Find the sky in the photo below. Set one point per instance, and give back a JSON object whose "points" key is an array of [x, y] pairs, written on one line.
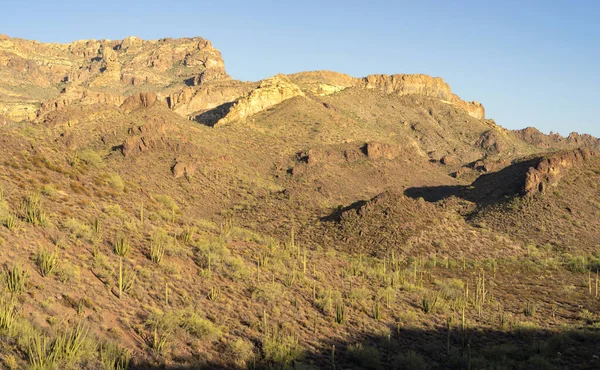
{"points": [[530, 63]]}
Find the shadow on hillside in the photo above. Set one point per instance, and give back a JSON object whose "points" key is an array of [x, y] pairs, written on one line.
{"points": [[211, 117], [487, 189], [526, 347], [337, 214]]}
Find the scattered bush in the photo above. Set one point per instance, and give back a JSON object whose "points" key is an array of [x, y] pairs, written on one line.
{"points": [[47, 262], [367, 357], [15, 279], [240, 351], [409, 361]]}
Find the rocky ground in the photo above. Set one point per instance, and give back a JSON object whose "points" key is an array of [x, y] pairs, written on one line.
{"points": [[155, 213]]}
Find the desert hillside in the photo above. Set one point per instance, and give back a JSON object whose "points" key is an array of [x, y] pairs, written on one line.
{"points": [[156, 213]]}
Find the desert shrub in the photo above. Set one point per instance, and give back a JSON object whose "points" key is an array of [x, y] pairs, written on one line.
{"points": [[409, 361], [200, 327], [367, 357], [158, 246], [15, 278], [576, 263], [537, 362], [68, 344], [49, 190], [430, 302], [161, 326], [10, 221], [47, 262], [240, 351], [90, 157], [530, 309], [451, 289], [525, 327], [236, 269], [407, 318], [116, 182], [359, 294], [280, 348], [78, 228], [113, 357], [32, 210], [167, 202], [8, 312]]}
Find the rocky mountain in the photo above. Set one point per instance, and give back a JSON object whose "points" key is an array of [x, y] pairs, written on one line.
{"points": [[156, 213]]}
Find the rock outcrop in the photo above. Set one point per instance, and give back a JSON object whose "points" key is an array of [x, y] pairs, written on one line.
{"points": [[271, 91], [418, 84], [376, 150], [550, 169], [535, 137], [33, 74], [326, 82], [141, 100]]}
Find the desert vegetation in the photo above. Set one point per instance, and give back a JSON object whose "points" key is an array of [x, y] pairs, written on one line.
{"points": [[358, 229]]}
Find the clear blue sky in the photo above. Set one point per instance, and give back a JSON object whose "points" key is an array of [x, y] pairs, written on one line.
{"points": [[531, 63]]}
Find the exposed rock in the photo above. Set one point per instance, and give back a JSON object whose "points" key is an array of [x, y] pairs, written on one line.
{"points": [[194, 101], [550, 169], [418, 84], [271, 91], [141, 100], [317, 156], [78, 95], [327, 82], [93, 65], [461, 172], [491, 141], [144, 138], [376, 150], [184, 168], [449, 160], [479, 165], [353, 155], [535, 137]]}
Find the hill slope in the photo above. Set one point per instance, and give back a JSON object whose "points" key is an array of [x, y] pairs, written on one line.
{"points": [[175, 218]]}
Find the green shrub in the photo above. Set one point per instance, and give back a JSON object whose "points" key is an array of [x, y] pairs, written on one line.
{"points": [[15, 279], [280, 348], [430, 302], [200, 327], [409, 361], [68, 344], [240, 351], [47, 262], [113, 357], [33, 211], [116, 182], [530, 309], [576, 263], [11, 221], [157, 250], [8, 312], [91, 158], [367, 357]]}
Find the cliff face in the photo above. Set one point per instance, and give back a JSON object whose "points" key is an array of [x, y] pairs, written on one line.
{"points": [[433, 87], [550, 169], [533, 136], [34, 74], [326, 82], [271, 91]]}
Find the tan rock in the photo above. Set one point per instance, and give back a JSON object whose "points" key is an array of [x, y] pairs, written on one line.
{"points": [[271, 91], [550, 169], [376, 150]]}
